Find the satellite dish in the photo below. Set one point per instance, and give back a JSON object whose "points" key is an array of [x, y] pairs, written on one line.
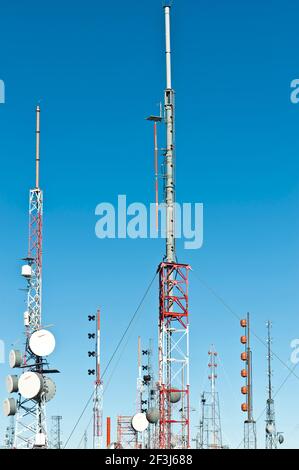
{"points": [[152, 415], [9, 407], [139, 422], [12, 383], [30, 385], [175, 397], [42, 343], [280, 439], [15, 358], [49, 388]]}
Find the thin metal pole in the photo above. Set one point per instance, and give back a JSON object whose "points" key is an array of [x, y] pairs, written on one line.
{"points": [[37, 157], [169, 156]]}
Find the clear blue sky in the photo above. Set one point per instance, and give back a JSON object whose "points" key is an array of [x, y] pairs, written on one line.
{"points": [[97, 69]]}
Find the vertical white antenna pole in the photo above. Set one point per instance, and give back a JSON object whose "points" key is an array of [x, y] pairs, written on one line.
{"points": [[168, 47], [169, 156], [37, 158]]}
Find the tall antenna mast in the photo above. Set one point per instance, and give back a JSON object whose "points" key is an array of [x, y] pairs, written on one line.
{"points": [[174, 405], [139, 379], [34, 386], [216, 434], [37, 156], [246, 356], [273, 438], [169, 155], [98, 385]]}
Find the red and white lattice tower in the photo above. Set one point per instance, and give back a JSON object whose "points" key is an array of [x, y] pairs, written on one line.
{"points": [[31, 429], [127, 437], [174, 421]]}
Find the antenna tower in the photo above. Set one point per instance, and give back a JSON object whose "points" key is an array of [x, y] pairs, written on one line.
{"points": [[174, 407], [210, 434], [273, 438], [56, 432], [98, 385], [34, 386], [246, 373]]}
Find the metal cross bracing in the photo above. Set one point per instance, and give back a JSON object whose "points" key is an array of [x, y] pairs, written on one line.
{"points": [[127, 437], [174, 430], [34, 299], [9, 434], [214, 427]]}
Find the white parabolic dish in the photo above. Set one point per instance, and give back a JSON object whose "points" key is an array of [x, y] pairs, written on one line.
{"points": [[49, 388], [30, 384], [139, 422], [42, 343]]}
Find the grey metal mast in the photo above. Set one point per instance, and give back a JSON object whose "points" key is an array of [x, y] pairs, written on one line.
{"points": [[174, 403], [272, 436], [169, 153], [250, 441]]}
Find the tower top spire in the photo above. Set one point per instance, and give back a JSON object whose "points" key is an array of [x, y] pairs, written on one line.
{"points": [[37, 153]]}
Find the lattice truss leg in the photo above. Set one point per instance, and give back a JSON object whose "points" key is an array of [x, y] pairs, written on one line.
{"points": [[30, 420], [31, 416], [250, 435], [174, 425], [127, 437]]}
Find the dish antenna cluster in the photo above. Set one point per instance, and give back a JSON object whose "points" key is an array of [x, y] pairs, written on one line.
{"points": [[33, 386]]}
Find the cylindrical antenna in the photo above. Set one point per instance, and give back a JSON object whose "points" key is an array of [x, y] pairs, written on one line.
{"points": [[37, 155], [168, 47], [169, 154]]}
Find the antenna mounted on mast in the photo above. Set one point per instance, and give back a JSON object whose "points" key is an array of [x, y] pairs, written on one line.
{"points": [[37, 155]]}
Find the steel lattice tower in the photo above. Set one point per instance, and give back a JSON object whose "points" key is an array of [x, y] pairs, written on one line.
{"points": [[215, 434], [249, 423], [271, 433], [56, 432], [31, 428], [210, 434]]}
